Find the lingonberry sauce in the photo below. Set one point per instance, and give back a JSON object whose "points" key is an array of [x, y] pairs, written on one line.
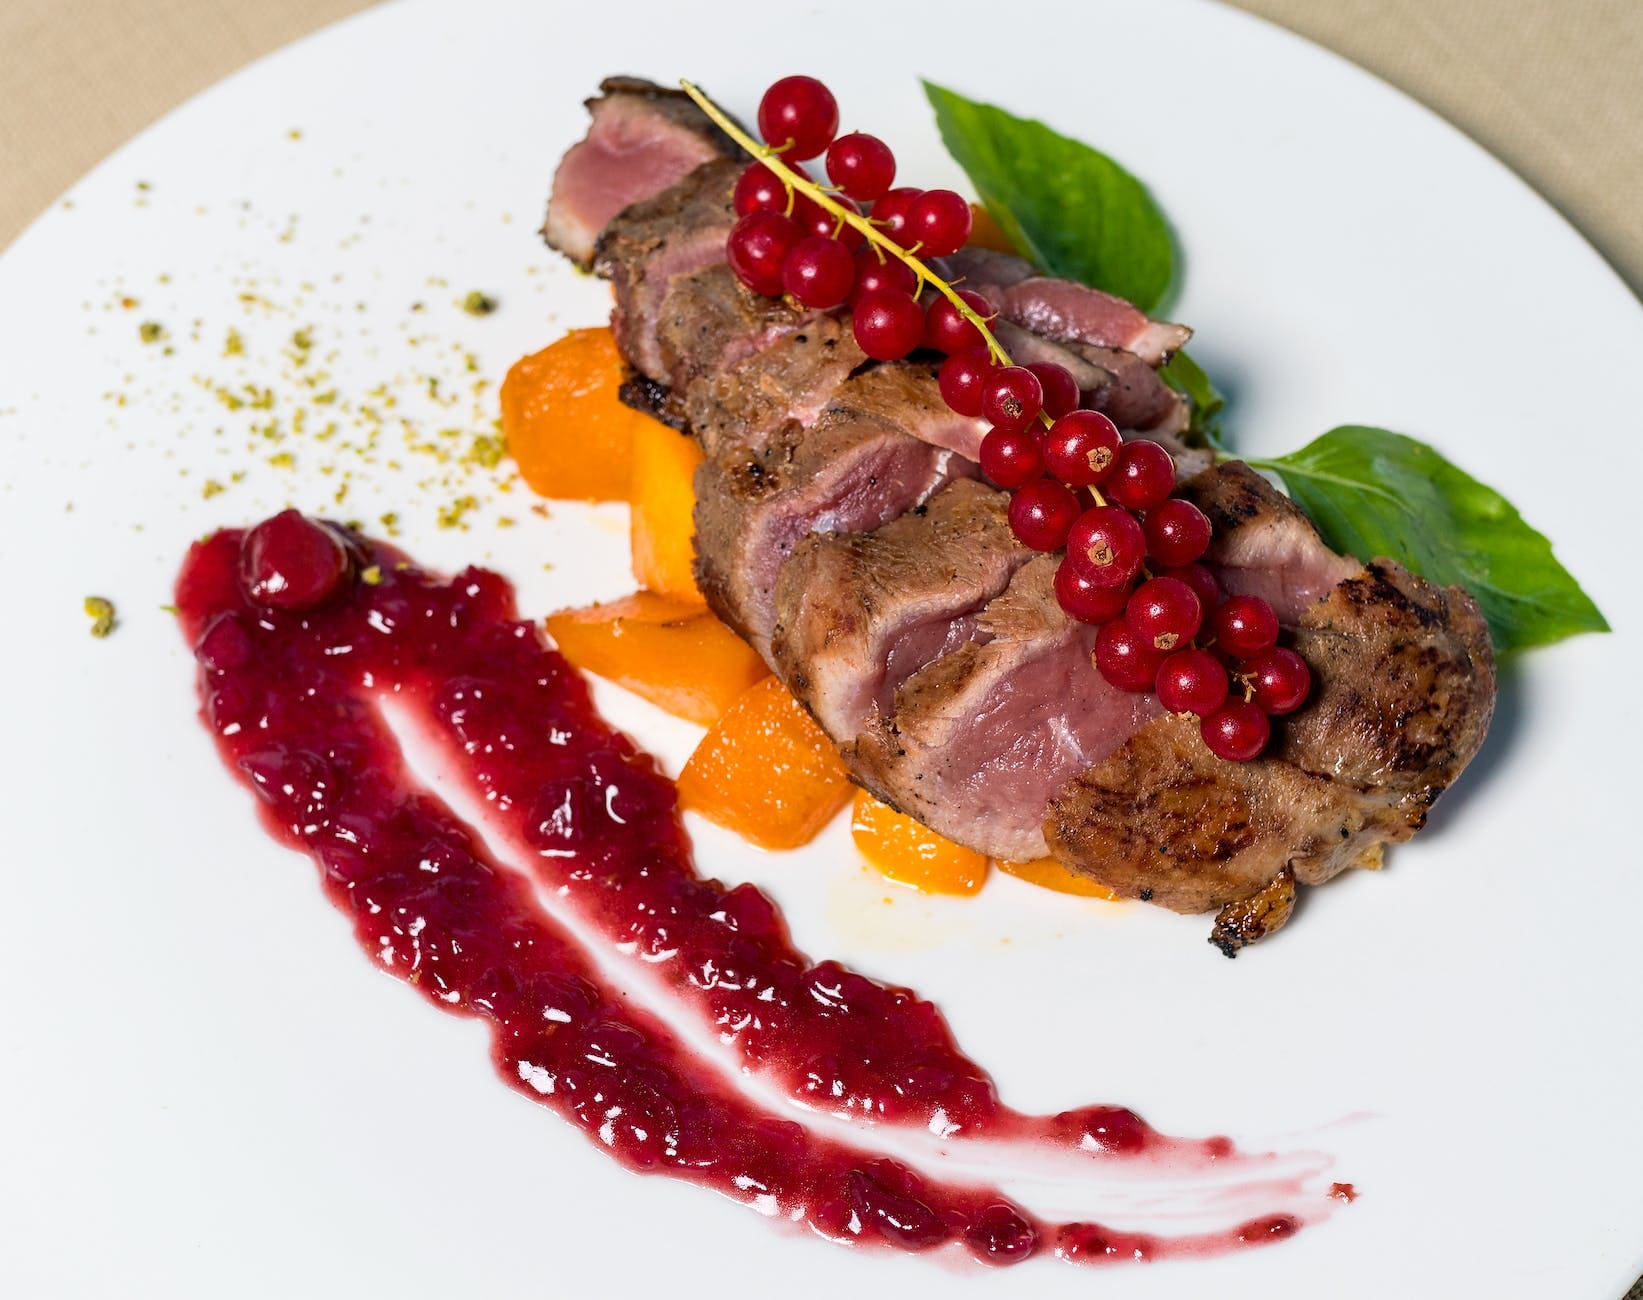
{"points": [[667, 1015]]}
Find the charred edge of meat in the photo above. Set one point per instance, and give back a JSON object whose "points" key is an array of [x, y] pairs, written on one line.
{"points": [[641, 393], [1249, 920]]}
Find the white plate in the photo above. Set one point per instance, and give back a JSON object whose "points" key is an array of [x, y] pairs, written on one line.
{"points": [[209, 1091]]}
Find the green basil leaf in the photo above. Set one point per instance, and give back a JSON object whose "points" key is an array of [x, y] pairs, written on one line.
{"points": [[1187, 377], [1069, 208], [1372, 492]]}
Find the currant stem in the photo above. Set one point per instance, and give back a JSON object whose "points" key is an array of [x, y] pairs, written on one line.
{"points": [[797, 181]]}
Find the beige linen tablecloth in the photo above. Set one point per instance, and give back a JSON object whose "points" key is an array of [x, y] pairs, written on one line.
{"points": [[1553, 87]]}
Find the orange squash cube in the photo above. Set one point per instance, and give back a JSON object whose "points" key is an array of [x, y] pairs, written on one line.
{"points": [[565, 426], [766, 771], [904, 849], [673, 653], [663, 496], [1047, 873]]}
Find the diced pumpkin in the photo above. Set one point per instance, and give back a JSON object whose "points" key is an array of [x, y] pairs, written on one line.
{"points": [[904, 849], [1050, 874], [673, 653], [766, 771], [565, 426], [987, 233], [664, 498]]}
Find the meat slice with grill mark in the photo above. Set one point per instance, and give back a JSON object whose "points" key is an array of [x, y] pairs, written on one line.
{"points": [[677, 232], [850, 472], [642, 140], [860, 614], [1405, 688], [980, 739]]}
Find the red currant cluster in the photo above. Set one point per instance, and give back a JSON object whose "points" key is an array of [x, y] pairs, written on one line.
{"points": [[1133, 551], [786, 242]]}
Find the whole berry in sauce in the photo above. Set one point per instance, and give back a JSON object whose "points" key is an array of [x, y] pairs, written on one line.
{"points": [[292, 563]]}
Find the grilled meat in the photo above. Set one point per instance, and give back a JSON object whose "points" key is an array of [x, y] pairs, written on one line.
{"points": [[841, 529]]}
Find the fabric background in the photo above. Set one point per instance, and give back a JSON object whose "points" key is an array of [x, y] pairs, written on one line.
{"points": [[1552, 87]]}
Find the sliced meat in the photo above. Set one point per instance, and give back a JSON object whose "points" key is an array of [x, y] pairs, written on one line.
{"points": [[643, 139], [849, 473], [862, 613], [1262, 544], [910, 394], [980, 739], [677, 232], [751, 371], [1063, 311], [1405, 690]]}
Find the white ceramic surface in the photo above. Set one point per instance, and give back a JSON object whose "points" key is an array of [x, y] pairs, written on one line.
{"points": [[207, 1091]]}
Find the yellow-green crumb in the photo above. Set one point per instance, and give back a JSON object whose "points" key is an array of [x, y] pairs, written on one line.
{"points": [[478, 304], [101, 611]]}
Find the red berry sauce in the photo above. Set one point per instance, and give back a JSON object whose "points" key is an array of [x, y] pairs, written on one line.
{"points": [[567, 912]]}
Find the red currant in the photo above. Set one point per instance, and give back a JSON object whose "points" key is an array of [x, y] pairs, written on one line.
{"points": [[1280, 680], [799, 117], [1011, 457], [861, 165], [1011, 397], [962, 377], [1124, 658], [888, 324], [1081, 447], [939, 223], [1060, 388], [1202, 582], [1165, 613], [876, 272], [890, 213], [1192, 681], [1245, 626], [1237, 731], [1041, 513], [757, 248], [1142, 477], [819, 272], [1107, 545], [946, 329], [1177, 532], [814, 219], [1084, 600], [758, 189]]}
